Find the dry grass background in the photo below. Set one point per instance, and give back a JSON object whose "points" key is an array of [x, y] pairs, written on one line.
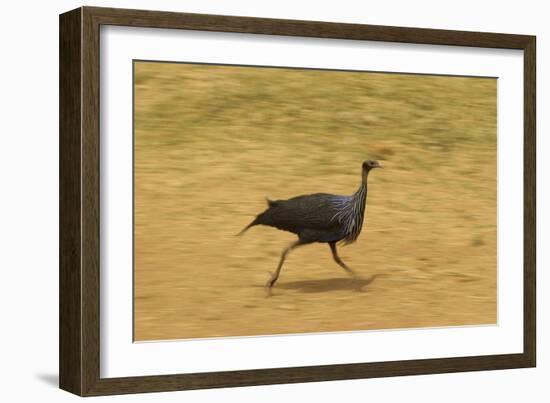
{"points": [[211, 142]]}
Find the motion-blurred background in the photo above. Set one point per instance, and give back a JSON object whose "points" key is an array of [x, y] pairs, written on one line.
{"points": [[211, 142]]}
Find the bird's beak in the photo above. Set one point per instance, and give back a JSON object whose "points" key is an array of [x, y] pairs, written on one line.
{"points": [[379, 166]]}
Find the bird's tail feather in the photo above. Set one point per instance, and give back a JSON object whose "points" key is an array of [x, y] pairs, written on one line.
{"points": [[260, 218], [255, 222]]}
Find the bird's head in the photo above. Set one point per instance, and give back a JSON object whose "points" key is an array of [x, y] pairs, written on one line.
{"points": [[367, 166], [370, 164]]}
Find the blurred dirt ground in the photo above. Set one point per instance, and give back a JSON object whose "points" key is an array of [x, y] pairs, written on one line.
{"points": [[211, 142]]}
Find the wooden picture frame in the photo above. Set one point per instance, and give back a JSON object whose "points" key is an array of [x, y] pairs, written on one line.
{"points": [[79, 348]]}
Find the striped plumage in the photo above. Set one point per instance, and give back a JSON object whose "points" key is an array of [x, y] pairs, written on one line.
{"points": [[351, 213], [319, 217]]}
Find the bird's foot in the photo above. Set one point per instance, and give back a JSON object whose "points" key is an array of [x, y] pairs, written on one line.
{"points": [[269, 284], [271, 281]]}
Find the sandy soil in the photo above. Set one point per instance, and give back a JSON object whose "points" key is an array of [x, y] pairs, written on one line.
{"points": [[427, 253]]}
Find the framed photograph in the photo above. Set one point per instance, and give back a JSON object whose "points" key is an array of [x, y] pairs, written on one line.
{"points": [[248, 201]]}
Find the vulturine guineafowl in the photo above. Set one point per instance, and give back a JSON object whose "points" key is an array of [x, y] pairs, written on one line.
{"points": [[319, 217]]}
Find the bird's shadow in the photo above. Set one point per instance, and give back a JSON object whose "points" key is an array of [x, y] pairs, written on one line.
{"points": [[329, 284]]}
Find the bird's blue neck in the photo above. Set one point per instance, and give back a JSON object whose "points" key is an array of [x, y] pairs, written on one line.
{"points": [[361, 193], [353, 213]]}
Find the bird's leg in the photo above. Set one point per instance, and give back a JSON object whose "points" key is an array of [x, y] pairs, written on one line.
{"points": [[338, 260], [275, 275]]}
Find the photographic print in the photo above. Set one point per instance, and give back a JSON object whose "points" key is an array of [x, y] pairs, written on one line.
{"points": [[253, 201], [273, 200]]}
